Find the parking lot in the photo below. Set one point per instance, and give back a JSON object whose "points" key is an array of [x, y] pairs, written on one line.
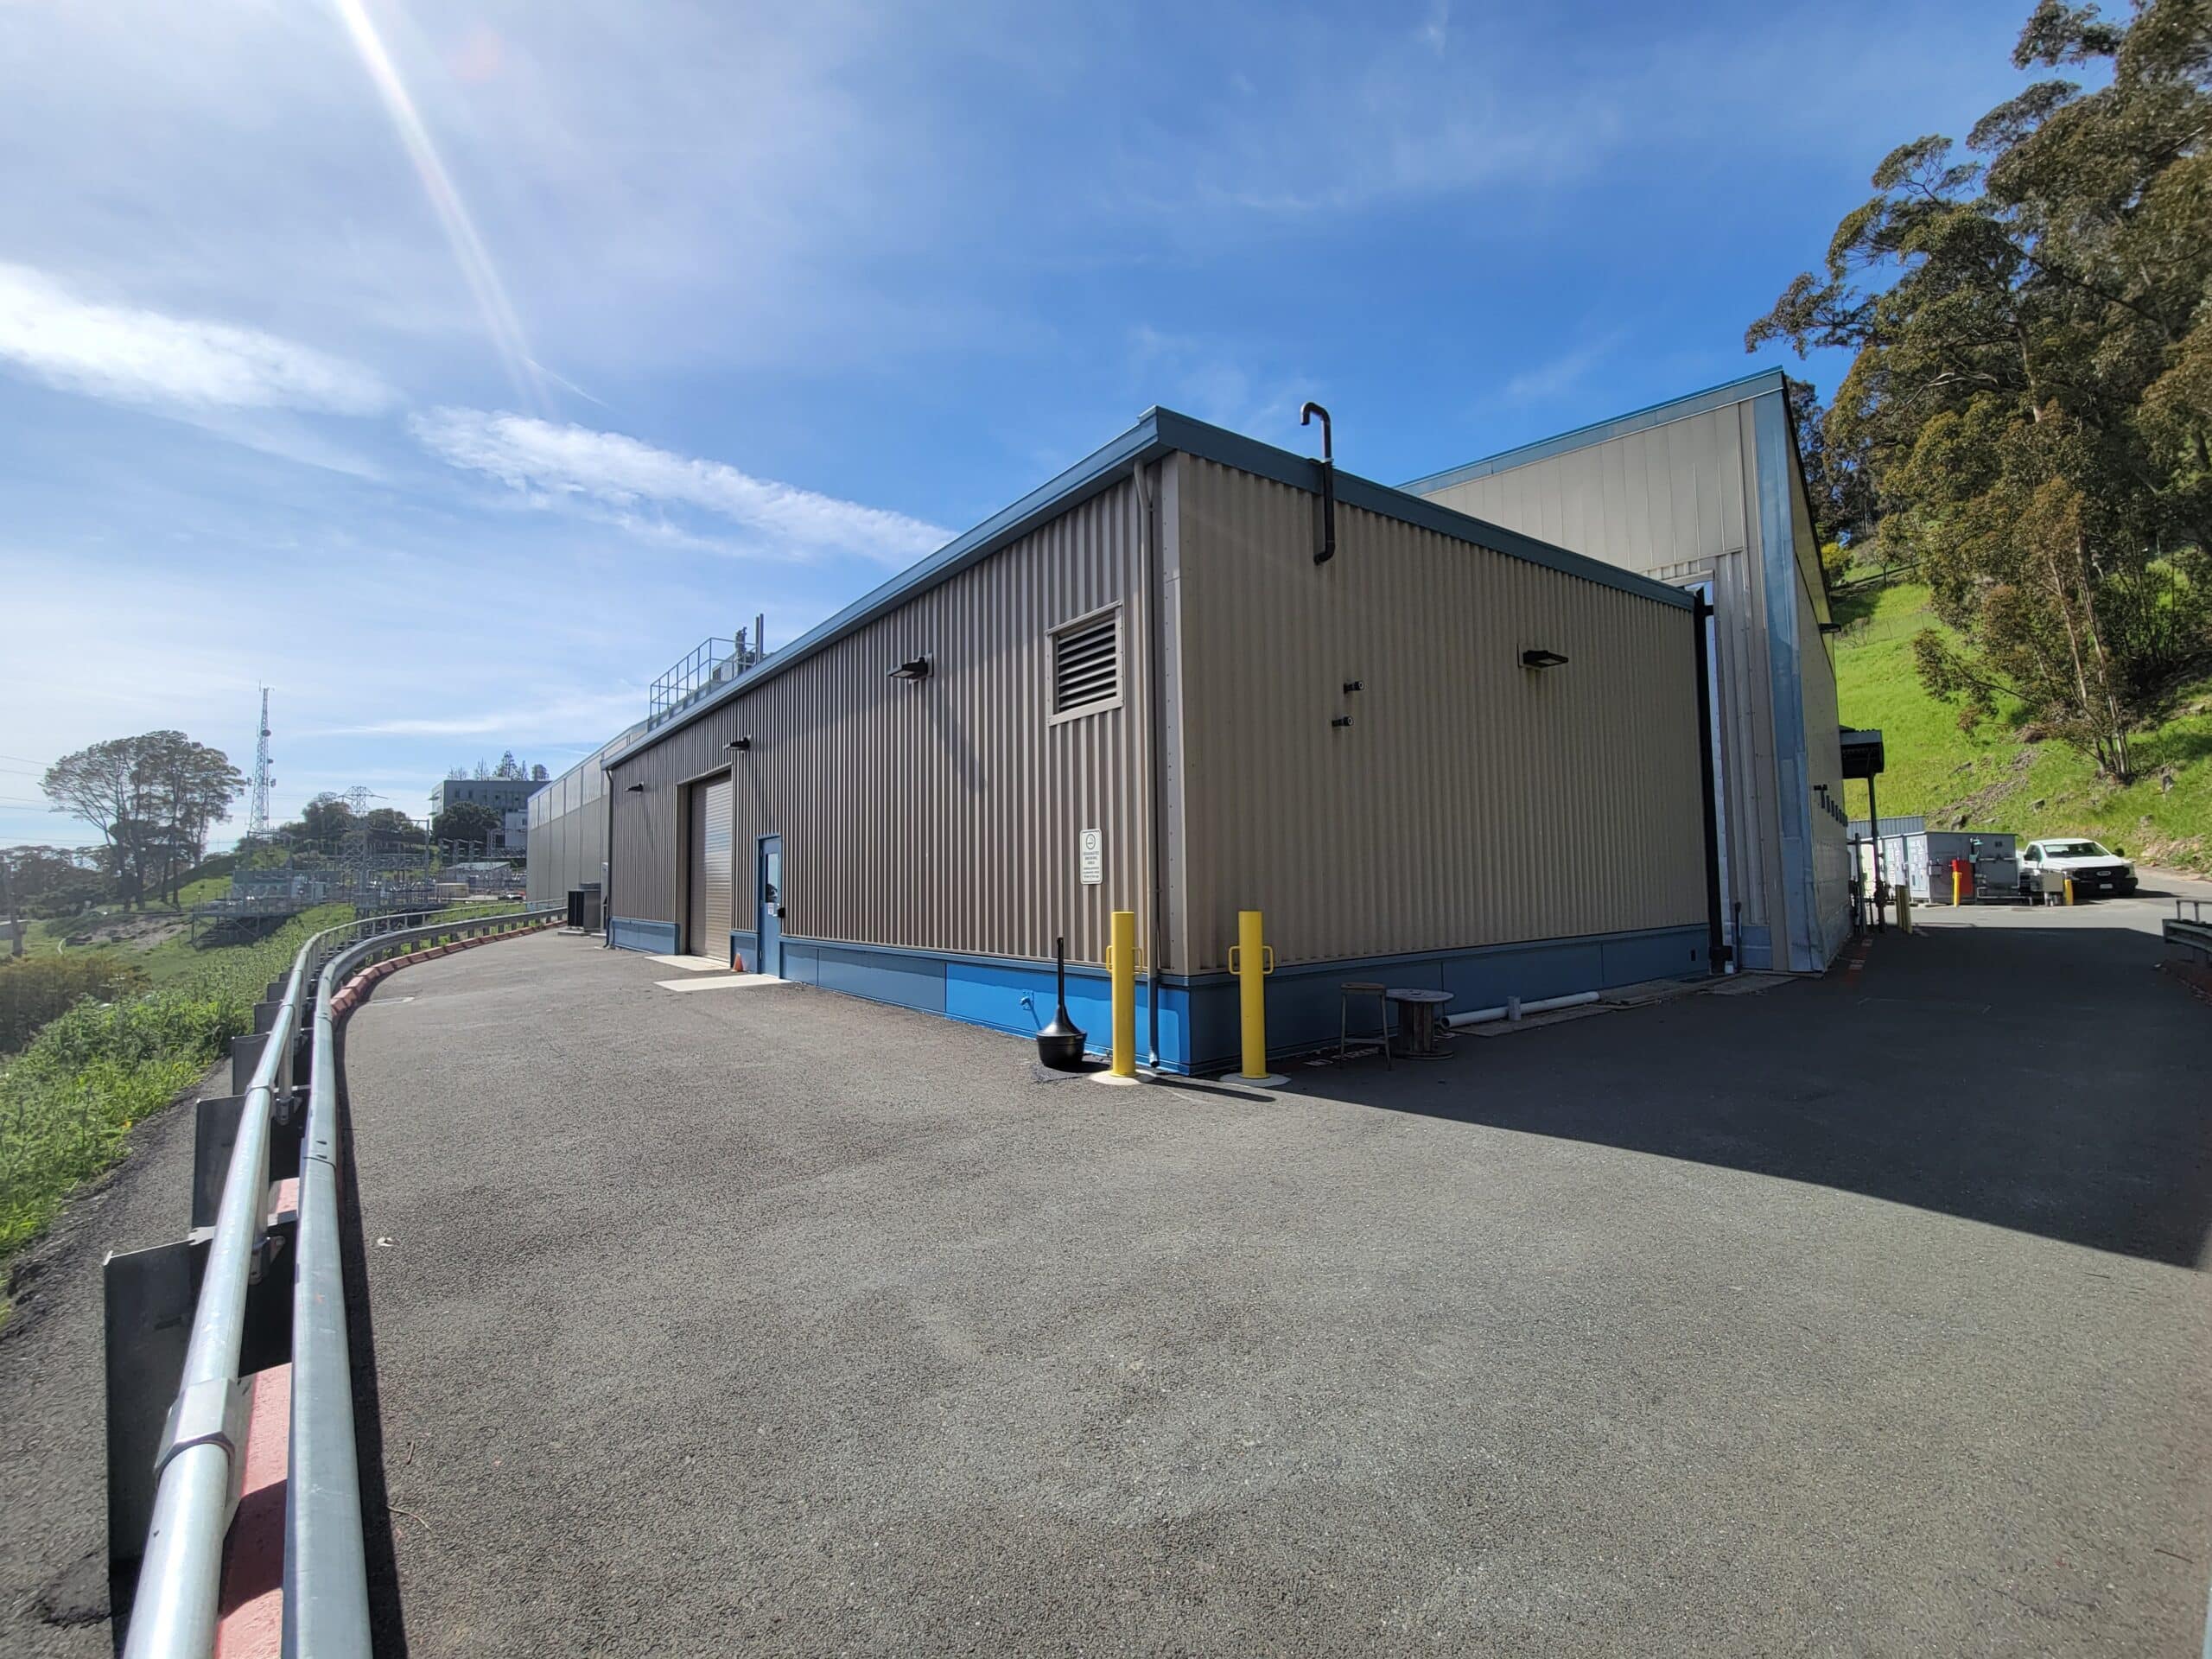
{"points": [[1861, 1315]]}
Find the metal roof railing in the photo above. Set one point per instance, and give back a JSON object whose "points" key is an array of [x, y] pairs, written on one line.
{"points": [[174, 1603]]}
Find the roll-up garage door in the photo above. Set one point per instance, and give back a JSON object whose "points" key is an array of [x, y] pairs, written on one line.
{"points": [[711, 872]]}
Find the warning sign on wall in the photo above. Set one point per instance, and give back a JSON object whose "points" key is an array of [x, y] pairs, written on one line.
{"points": [[1094, 857]]}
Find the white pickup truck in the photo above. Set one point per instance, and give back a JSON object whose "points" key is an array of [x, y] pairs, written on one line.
{"points": [[2091, 868]]}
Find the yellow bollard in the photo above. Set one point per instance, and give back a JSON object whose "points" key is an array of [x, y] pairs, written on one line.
{"points": [[1904, 910], [1955, 889], [2069, 889], [1251, 959], [1122, 972]]}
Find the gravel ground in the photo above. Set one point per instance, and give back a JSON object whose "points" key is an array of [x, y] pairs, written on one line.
{"points": [[1862, 1316]]}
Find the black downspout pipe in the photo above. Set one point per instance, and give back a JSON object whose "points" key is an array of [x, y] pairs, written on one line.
{"points": [[606, 874], [1328, 466], [1716, 949]]}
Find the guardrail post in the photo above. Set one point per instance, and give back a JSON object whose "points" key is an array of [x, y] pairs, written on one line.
{"points": [[245, 1055], [149, 1298], [215, 1131]]}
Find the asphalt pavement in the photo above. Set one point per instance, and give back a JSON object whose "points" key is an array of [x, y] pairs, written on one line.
{"points": [[1857, 1316]]}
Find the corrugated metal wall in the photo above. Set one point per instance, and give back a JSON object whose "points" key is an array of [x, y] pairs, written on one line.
{"points": [[1472, 801], [566, 822], [941, 814], [568, 833], [1677, 502]]}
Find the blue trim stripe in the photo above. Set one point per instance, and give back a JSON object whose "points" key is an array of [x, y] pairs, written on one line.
{"points": [[1159, 432], [631, 933], [1199, 1027], [1641, 420]]}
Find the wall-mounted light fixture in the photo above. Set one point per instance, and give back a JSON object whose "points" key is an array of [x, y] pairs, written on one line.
{"points": [[745, 743], [635, 789], [1543, 660], [914, 668]]}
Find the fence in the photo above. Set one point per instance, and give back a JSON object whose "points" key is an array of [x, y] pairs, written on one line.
{"points": [[189, 1324]]}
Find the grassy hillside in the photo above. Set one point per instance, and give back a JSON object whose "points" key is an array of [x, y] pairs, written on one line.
{"points": [[157, 940], [1992, 780]]}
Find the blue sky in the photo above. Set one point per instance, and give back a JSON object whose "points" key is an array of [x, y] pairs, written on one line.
{"points": [[454, 369]]}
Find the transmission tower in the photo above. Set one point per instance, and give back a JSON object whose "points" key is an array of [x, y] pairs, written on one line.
{"points": [[256, 824]]}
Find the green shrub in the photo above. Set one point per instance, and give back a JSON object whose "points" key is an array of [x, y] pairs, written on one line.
{"points": [[93, 1071], [35, 989]]}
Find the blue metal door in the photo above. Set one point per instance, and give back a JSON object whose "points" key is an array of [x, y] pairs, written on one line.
{"points": [[772, 906]]}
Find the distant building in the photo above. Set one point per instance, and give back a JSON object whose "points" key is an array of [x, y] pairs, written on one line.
{"points": [[508, 797]]}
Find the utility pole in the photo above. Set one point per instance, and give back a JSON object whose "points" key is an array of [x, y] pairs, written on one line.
{"points": [[7, 905]]}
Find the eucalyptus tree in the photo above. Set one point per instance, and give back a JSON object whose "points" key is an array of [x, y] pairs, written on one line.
{"points": [[2029, 399]]}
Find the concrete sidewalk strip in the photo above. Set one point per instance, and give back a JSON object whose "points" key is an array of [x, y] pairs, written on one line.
{"points": [[726, 981], [692, 964]]}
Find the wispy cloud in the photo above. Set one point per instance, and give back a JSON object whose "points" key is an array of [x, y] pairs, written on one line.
{"points": [[129, 355], [1436, 29], [566, 462], [1558, 375], [560, 714]]}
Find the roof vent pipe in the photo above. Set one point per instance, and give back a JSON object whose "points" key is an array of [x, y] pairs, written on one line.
{"points": [[1328, 465]]}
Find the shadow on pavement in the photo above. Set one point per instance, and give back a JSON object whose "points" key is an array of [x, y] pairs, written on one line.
{"points": [[2043, 1079]]}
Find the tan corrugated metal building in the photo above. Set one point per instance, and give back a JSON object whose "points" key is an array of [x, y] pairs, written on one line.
{"points": [[1706, 490], [1138, 688]]}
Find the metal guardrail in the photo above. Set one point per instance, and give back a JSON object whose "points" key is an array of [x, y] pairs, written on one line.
{"points": [[2192, 933], [197, 1466]]}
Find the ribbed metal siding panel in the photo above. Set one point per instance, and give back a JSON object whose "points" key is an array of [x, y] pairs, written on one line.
{"points": [[937, 815], [568, 832], [1675, 502], [1472, 801], [1643, 501]]}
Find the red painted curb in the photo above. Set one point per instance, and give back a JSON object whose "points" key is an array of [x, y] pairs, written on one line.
{"points": [[250, 1620]]}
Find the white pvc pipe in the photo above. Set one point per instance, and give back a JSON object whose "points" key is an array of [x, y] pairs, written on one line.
{"points": [[1542, 1005]]}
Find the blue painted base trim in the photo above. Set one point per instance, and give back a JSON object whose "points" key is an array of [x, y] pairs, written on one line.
{"points": [[1304, 1001], [744, 950], [630, 934], [1198, 1018]]}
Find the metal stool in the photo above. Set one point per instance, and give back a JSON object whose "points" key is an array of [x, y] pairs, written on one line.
{"points": [[1345, 992]]}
